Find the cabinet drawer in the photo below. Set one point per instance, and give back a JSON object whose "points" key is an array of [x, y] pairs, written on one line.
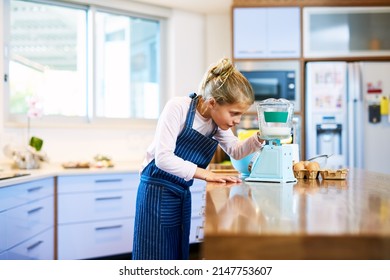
{"points": [[19, 194], [3, 242], [94, 206], [98, 239], [40, 247], [197, 230], [101, 182], [28, 220]]}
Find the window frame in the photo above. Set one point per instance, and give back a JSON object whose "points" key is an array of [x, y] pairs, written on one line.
{"points": [[91, 119]]}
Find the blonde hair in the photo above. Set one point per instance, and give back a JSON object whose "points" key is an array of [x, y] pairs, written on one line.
{"points": [[226, 84]]}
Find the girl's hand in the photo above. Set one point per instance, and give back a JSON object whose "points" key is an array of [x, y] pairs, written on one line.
{"points": [[209, 176], [221, 178]]}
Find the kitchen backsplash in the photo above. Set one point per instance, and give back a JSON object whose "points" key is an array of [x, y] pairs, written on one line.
{"points": [[62, 145]]}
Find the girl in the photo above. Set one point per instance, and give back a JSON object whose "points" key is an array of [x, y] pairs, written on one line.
{"points": [[187, 135]]}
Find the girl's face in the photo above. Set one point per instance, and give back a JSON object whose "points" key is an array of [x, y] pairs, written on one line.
{"points": [[228, 115]]}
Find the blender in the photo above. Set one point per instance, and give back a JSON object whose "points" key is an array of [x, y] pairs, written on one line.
{"points": [[274, 162]]}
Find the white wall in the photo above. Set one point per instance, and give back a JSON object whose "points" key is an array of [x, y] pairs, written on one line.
{"points": [[195, 41]]}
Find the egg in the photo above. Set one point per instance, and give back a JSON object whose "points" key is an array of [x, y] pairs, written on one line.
{"points": [[298, 166], [313, 166]]}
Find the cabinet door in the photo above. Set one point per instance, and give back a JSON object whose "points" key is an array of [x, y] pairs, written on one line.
{"points": [[266, 32], [346, 31], [198, 191], [283, 32], [249, 32]]}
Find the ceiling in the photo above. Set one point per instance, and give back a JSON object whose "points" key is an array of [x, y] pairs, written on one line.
{"points": [[199, 6]]}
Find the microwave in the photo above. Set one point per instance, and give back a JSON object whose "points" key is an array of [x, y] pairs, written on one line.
{"points": [[272, 83]]}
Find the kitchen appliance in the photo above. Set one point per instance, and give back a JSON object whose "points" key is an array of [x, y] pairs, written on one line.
{"points": [[273, 79], [272, 84], [274, 162], [346, 115]]}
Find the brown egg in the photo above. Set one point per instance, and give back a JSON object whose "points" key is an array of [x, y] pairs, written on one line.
{"points": [[313, 166], [298, 166]]}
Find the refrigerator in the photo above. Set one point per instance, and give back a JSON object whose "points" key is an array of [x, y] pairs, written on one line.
{"points": [[347, 114]]}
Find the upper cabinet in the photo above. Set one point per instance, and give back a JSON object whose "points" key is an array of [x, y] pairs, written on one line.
{"points": [[346, 31], [266, 32]]}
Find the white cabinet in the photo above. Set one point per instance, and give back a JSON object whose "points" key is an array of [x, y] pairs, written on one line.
{"points": [[96, 215], [346, 31], [39, 247], [27, 220], [198, 190], [266, 32]]}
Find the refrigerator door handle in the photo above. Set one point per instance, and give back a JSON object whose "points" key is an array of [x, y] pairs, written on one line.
{"points": [[350, 117], [355, 113], [358, 116]]}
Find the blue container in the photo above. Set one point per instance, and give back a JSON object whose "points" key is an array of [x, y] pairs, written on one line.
{"points": [[241, 165]]}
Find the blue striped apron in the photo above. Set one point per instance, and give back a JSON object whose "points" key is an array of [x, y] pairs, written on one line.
{"points": [[163, 207]]}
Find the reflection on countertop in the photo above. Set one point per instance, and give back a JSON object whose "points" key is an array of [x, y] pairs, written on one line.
{"points": [[353, 212]]}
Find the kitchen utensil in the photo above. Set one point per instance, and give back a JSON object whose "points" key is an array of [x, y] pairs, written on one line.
{"points": [[321, 159], [242, 165], [274, 162]]}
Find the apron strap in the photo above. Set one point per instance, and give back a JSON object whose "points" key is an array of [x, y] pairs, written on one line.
{"points": [[191, 112]]}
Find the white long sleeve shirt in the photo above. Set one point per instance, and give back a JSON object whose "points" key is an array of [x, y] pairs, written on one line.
{"points": [[171, 123]]}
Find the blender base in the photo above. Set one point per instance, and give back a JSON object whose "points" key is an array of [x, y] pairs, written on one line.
{"points": [[274, 164], [269, 180]]}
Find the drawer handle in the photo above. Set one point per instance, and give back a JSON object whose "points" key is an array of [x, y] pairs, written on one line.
{"points": [[33, 246], [108, 181], [32, 211], [108, 198], [202, 211], [108, 227], [34, 189]]}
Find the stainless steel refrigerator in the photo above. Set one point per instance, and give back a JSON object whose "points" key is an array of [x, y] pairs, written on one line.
{"points": [[347, 113]]}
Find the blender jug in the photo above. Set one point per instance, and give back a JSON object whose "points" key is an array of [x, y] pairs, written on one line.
{"points": [[275, 118]]}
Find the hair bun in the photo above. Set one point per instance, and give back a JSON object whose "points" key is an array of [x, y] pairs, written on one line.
{"points": [[222, 67]]}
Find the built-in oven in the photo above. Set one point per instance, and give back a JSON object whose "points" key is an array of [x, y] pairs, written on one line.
{"points": [[273, 79], [272, 84]]}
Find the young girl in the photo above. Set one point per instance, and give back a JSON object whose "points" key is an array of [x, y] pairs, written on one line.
{"points": [[187, 135]]}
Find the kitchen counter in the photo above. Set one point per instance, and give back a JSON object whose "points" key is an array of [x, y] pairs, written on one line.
{"points": [[310, 219], [54, 169]]}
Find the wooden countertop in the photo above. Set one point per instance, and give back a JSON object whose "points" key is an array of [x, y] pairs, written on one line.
{"points": [[310, 219]]}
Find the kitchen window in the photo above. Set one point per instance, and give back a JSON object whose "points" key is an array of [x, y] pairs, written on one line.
{"points": [[82, 63]]}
